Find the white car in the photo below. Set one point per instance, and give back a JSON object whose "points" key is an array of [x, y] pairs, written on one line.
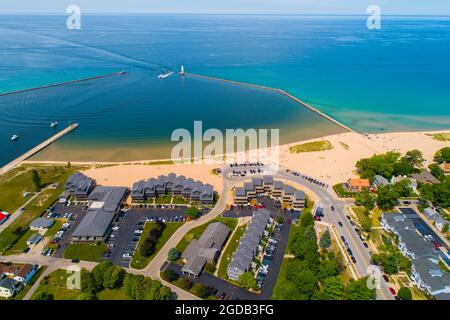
{"points": [[115, 228], [138, 231], [126, 255]]}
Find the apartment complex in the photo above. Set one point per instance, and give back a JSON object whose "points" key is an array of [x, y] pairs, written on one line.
{"points": [[249, 244], [206, 249], [277, 190], [189, 189], [104, 204], [79, 186], [425, 270]]}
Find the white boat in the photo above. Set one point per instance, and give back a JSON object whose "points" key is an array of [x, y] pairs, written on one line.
{"points": [[53, 124], [14, 137], [165, 75]]}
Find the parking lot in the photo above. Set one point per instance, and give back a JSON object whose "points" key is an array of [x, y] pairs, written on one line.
{"points": [[128, 226], [422, 226], [74, 214]]}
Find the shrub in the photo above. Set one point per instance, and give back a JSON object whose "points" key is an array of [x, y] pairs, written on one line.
{"points": [[404, 293], [173, 255], [169, 275]]}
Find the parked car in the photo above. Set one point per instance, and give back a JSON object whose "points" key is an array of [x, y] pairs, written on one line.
{"points": [[353, 259], [332, 208], [26, 249], [392, 291], [75, 260], [386, 278], [365, 244], [340, 224]]}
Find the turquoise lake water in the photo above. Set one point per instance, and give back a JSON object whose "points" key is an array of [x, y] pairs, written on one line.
{"points": [[396, 78]]}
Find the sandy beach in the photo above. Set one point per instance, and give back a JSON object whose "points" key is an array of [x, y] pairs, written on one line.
{"points": [[332, 166]]}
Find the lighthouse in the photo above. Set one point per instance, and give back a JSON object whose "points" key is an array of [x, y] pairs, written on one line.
{"points": [[182, 70]]}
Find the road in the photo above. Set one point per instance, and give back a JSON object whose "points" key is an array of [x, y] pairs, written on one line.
{"points": [[328, 198], [154, 267], [18, 212], [325, 196]]}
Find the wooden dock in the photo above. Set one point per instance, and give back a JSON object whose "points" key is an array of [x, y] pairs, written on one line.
{"points": [[38, 148], [274, 90]]}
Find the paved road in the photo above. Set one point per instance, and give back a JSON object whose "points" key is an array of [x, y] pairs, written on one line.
{"points": [[328, 198], [154, 267], [18, 212]]}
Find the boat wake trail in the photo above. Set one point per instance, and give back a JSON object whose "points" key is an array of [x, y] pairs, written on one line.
{"points": [[115, 56]]}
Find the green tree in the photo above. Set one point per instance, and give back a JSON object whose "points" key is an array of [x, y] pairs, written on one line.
{"points": [[185, 284], [169, 275], [366, 199], [193, 212], [402, 188], [325, 239], [173, 254], [200, 290], [247, 280], [36, 178], [445, 228], [358, 290], [333, 288], [404, 293], [414, 158], [436, 171], [44, 296], [387, 197], [366, 223], [442, 155], [328, 268]]}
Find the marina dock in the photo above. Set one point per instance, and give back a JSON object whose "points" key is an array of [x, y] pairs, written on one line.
{"points": [[274, 90], [38, 148]]}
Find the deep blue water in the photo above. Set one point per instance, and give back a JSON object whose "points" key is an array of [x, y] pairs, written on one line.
{"points": [[397, 78]]}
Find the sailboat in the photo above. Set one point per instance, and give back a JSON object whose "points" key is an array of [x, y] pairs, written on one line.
{"points": [[53, 124], [14, 137]]}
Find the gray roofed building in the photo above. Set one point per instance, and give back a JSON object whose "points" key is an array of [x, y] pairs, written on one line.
{"points": [[177, 185], [268, 180], [41, 223], [380, 181], [205, 249], [242, 258], [9, 287], [425, 270], [34, 239], [79, 185], [105, 203], [425, 177]]}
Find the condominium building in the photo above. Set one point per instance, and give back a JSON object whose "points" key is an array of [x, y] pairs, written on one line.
{"points": [[189, 189], [286, 194]]}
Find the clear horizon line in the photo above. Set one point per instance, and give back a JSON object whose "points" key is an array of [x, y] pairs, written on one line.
{"points": [[220, 13]]}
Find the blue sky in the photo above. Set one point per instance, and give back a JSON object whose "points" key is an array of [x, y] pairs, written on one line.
{"points": [[402, 7]]}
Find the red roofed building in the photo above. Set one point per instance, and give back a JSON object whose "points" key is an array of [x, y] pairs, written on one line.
{"points": [[3, 216], [357, 185]]}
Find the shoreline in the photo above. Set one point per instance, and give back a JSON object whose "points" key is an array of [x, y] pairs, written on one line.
{"points": [[283, 146]]}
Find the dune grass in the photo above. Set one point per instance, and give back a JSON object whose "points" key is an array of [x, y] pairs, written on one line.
{"points": [[313, 146]]}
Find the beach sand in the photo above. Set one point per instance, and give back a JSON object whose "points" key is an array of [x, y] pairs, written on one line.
{"points": [[331, 166]]}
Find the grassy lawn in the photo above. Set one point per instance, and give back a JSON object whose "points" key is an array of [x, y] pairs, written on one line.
{"points": [[179, 200], [311, 147], [164, 199], [197, 232], [37, 207], [341, 192], [440, 136], [87, 252], [54, 228], [230, 249], [140, 262], [112, 294], [20, 244], [277, 293], [17, 181], [375, 214], [56, 284]]}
